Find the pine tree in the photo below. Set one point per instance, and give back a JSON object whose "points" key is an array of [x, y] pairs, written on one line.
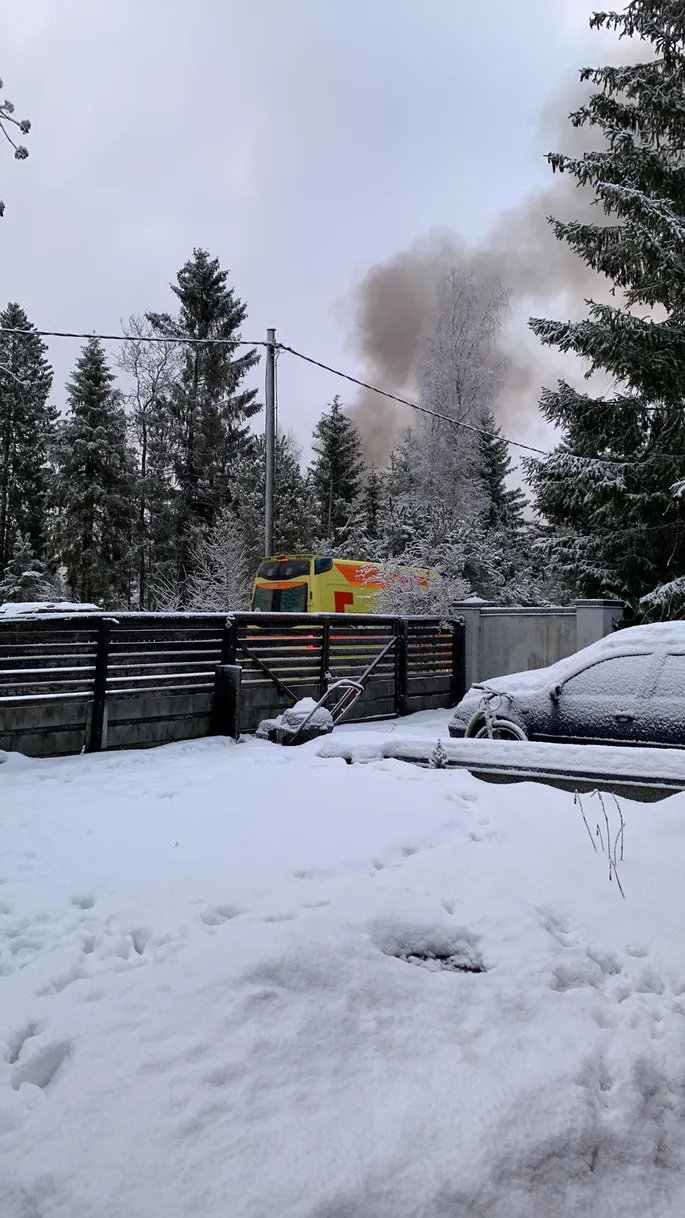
{"points": [[608, 486], [25, 578], [209, 410], [94, 485], [337, 473], [26, 431], [295, 509], [504, 505]]}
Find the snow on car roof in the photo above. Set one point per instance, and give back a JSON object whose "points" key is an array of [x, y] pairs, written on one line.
{"points": [[655, 637]]}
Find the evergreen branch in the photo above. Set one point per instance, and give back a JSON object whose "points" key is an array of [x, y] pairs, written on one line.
{"points": [[5, 371]]}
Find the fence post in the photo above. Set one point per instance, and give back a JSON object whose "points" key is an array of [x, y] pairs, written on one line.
{"points": [[401, 665], [325, 656], [229, 641], [226, 703], [97, 722], [458, 680]]}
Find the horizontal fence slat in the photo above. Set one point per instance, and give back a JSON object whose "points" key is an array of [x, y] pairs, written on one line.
{"points": [[28, 689], [144, 691], [163, 647], [13, 700]]}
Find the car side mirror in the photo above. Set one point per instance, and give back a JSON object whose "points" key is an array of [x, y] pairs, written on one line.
{"points": [[555, 693]]}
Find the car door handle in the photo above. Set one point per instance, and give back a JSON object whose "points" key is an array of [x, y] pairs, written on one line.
{"points": [[624, 718]]}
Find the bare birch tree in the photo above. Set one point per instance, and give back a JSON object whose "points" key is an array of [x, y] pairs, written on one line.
{"points": [[153, 368], [221, 574], [7, 123], [460, 375]]}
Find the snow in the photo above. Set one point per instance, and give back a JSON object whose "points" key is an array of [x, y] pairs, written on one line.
{"points": [[627, 761], [239, 980], [24, 608], [294, 718]]}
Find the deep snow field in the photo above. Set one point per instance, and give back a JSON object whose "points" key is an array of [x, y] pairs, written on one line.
{"points": [[207, 1010]]}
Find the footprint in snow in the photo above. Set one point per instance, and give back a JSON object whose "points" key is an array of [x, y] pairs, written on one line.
{"points": [[312, 873], [220, 914], [41, 1069], [18, 1039], [85, 901]]}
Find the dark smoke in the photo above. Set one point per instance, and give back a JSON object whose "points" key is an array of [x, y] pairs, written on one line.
{"points": [[395, 303]]}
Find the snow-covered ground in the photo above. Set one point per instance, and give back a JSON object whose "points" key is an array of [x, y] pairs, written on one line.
{"points": [[206, 1006]]}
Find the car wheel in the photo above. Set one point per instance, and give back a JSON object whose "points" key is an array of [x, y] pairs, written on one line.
{"points": [[502, 729]]}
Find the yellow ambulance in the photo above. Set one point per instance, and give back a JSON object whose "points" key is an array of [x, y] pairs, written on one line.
{"points": [[312, 583]]}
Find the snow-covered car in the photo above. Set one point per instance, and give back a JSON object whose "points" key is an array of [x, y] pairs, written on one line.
{"points": [[628, 688]]}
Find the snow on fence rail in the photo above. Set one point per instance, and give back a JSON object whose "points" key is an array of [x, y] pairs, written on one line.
{"points": [[92, 681]]}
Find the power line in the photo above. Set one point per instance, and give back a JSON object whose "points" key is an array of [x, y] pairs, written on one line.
{"points": [[229, 342], [140, 338], [479, 431], [346, 376]]}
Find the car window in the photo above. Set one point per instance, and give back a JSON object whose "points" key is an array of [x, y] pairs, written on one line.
{"points": [[620, 676], [671, 679]]}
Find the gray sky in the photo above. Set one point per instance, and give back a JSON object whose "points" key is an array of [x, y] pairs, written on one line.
{"points": [[301, 141]]}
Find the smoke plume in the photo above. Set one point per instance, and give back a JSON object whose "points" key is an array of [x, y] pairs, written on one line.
{"points": [[395, 303]]}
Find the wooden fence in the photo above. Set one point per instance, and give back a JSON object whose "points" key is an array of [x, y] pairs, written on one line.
{"points": [[86, 682]]}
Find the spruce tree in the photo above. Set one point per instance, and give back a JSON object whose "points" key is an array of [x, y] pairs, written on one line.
{"points": [[209, 410], [295, 510], [337, 472], [372, 503], [25, 578], [94, 485], [26, 430], [608, 486], [503, 504]]}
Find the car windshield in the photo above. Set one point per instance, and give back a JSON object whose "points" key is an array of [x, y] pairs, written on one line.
{"points": [[283, 568]]}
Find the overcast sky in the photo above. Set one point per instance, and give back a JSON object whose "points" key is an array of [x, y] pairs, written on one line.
{"points": [[301, 141]]}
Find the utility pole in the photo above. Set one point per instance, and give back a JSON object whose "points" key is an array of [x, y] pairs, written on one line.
{"points": [[270, 442]]}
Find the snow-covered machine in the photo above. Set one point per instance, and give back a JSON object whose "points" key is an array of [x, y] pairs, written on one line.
{"points": [[308, 719]]}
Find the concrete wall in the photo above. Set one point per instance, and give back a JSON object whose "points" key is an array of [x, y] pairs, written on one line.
{"points": [[504, 640]]}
